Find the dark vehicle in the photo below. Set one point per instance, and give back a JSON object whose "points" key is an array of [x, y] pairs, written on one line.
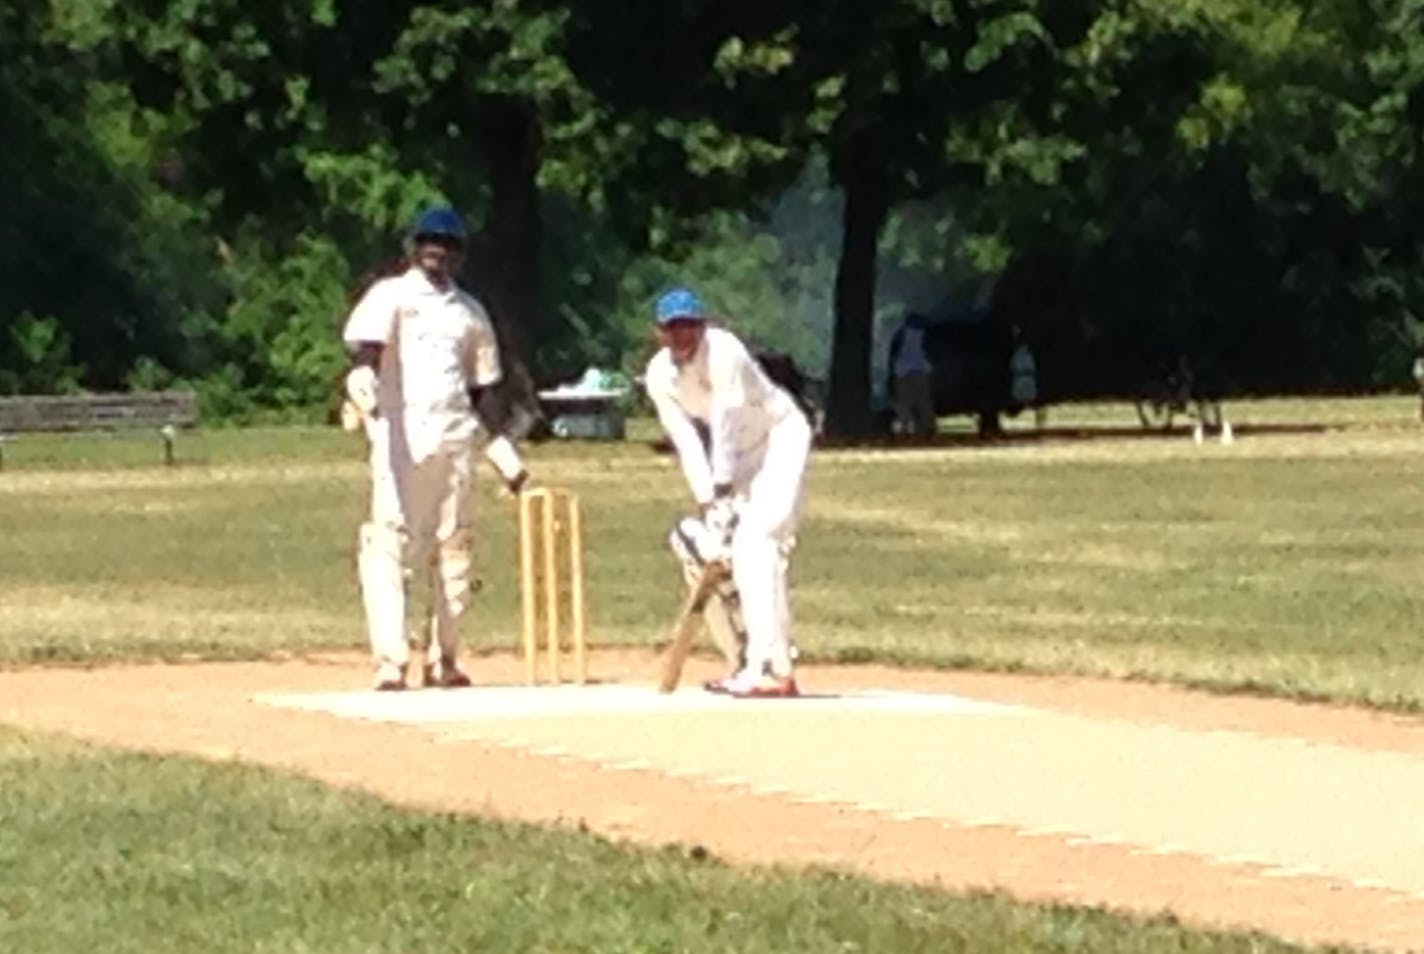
{"points": [[1180, 390], [971, 360]]}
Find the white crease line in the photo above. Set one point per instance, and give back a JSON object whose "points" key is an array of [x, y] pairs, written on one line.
{"points": [[1167, 850], [1111, 841], [1300, 871], [550, 751], [820, 800], [629, 765], [1253, 861], [1048, 831], [911, 816], [734, 781]]}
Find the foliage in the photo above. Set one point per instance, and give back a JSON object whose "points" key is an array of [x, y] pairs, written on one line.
{"points": [[37, 357], [192, 185]]}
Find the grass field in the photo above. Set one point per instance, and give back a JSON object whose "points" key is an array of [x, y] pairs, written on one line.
{"points": [[1284, 564], [129, 854]]}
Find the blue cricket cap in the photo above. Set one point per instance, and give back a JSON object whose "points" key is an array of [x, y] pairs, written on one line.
{"points": [[680, 303]]}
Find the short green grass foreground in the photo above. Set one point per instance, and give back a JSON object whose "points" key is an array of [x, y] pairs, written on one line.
{"points": [[1286, 563], [130, 854]]}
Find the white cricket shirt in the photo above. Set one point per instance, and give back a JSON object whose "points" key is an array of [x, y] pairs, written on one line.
{"points": [[437, 344], [724, 389]]}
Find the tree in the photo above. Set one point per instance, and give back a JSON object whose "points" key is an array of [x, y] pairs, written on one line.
{"points": [[90, 251]]}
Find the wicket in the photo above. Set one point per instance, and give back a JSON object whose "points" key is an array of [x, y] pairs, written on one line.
{"points": [[543, 513]]}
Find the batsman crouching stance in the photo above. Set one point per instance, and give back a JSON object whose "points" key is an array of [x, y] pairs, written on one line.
{"points": [[425, 363], [747, 477]]}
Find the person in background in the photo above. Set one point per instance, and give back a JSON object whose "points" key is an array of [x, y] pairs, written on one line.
{"points": [[1023, 377], [1418, 372], [912, 378]]}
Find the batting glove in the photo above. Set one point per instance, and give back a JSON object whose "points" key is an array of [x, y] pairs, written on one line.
{"points": [[361, 389], [351, 417], [502, 454], [720, 521]]}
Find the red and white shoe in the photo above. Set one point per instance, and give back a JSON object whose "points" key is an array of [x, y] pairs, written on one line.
{"points": [[723, 685], [763, 687]]}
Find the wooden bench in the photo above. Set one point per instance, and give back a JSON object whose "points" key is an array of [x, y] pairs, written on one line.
{"points": [[163, 411]]}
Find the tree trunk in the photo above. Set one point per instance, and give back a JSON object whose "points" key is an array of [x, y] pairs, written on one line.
{"points": [[862, 175], [505, 249]]}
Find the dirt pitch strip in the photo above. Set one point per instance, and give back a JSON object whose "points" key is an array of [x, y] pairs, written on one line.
{"points": [[1301, 821]]}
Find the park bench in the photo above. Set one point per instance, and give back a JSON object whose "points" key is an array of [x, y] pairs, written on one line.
{"points": [[162, 411]]}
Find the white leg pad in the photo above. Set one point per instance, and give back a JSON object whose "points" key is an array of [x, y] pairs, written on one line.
{"points": [[759, 570], [451, 591], [383, 591]]}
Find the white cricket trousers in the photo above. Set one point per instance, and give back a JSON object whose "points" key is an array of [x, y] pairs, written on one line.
{"points": [[419, 531], [771, 484]]}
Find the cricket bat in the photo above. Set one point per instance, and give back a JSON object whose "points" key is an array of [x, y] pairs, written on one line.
{"points": [[684, 631]]}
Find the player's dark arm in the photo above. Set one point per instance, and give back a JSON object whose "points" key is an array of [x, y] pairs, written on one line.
{"points": [[366, 354], [493, 408]]}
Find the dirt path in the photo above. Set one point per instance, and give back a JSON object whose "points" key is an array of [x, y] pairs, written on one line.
{"points": [[1127, 796]]}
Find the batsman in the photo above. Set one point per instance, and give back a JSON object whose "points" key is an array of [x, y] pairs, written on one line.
{"points": [[743, 444]]}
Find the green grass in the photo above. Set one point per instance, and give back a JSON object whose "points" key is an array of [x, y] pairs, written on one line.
{"points": [[1284, 564], [1287, 563], [128, 853]]}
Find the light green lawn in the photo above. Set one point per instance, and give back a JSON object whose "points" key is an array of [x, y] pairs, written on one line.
{"points": [[1285, 563]]}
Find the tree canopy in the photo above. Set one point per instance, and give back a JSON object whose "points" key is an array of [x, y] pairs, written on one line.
{"points": [[192, 187]]}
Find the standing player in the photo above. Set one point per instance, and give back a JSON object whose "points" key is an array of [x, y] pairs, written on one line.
{"points": [[425, 365], [743, 444]]}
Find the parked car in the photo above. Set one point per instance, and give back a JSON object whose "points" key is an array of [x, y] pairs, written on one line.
{"points": [[970, 357]]}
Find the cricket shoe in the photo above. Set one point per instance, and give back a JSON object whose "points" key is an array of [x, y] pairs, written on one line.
{"points": [[390, 678], [446, 675], [763, 687], [722, 686]]}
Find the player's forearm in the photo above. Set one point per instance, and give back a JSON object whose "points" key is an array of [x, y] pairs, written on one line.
{"points": [[690, 453], [493, 410], [722, 430]]}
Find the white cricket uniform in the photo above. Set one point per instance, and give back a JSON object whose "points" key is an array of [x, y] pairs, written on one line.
{"points": [[437, 343], [758, 441]]}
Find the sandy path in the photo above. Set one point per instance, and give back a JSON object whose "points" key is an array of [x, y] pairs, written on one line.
{"points": [[1292, 819]]}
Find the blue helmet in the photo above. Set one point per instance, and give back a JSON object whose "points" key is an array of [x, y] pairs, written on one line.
{"points": [[440, 221], [680, 303]]}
